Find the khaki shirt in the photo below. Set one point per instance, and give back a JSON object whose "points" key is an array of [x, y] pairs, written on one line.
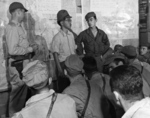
{"points": [[38, 105], [63, 44], [16, 38]]}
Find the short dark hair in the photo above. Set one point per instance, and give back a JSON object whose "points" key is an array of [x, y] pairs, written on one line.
{"points": [[118, 47], [127, 80], [90, 64]]}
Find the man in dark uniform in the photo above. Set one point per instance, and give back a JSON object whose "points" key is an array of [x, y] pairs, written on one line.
{"points": [[95, 41]]}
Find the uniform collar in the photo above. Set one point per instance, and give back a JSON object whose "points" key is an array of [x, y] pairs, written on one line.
{"points": [[39, 97], [16, 23], [90, 33], [64, 34], [132, 110]]}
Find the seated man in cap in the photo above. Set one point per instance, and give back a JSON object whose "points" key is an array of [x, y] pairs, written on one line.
{"points": [[38, 106], [144, 53], [16, 48], [131, 54], [79, 91], [113, 61], [100, 79], [95, 41], [63, 43], [126, 84]]}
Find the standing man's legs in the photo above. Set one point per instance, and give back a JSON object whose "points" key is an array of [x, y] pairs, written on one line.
{"points": [[99, 63]]}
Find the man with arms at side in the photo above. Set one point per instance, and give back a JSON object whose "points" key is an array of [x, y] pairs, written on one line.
{"points": [[95, 41], [63, 44]]}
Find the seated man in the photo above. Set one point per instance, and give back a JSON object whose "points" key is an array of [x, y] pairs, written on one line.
{"points": [[38, 106], [97, 105], [126, 83], [103, 81], [131, 54], [144, 53]]}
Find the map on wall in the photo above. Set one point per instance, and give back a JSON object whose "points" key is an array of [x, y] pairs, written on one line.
{"points": [[119, 19]]}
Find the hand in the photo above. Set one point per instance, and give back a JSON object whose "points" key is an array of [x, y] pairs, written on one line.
{"points": [[35, 47]]}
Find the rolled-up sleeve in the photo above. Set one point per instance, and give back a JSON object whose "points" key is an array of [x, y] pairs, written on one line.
{"points": [[55, 44], [12, 38]]}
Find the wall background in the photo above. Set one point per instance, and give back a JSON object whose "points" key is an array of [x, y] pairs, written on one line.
{"points": [[118, 18]]}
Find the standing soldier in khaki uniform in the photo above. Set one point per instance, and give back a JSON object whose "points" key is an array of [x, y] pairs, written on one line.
{"points": [[16, 35], [18, 52]]}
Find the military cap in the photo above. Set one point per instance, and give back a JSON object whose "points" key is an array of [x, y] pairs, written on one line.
{"points": [[112, 57], [35, 74], [16, 5], [89, 15], [129, 51], [62, 14], [146, 44], [74, 64]]}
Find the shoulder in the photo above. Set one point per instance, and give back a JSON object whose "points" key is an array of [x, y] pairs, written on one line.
{"points": [[142, 113], [11, 27], [70, 89], [17, 115], [57, 37], [64, 99], [83, 32], [101, 31], [76, 88]]}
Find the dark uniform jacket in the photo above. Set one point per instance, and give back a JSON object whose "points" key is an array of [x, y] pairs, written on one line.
{"points": [[93, 46]]}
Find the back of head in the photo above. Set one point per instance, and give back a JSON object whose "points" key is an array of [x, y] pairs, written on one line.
{"points": [[89, 64], [127, 81], [74, 65], [36, 74]]}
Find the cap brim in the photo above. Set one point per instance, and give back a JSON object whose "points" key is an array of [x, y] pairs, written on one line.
{"points": [[68, 16], [111, 59], [25, 10]]}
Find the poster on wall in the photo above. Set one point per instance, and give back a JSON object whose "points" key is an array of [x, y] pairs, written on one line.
{"points": [[143, 13]]}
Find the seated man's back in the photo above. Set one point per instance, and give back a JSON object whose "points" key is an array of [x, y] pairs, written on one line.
{"points": [[78, 91], [38, 106]]}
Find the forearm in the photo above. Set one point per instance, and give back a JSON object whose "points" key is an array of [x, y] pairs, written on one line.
{"points": [[17, 50], [57, 61]]}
